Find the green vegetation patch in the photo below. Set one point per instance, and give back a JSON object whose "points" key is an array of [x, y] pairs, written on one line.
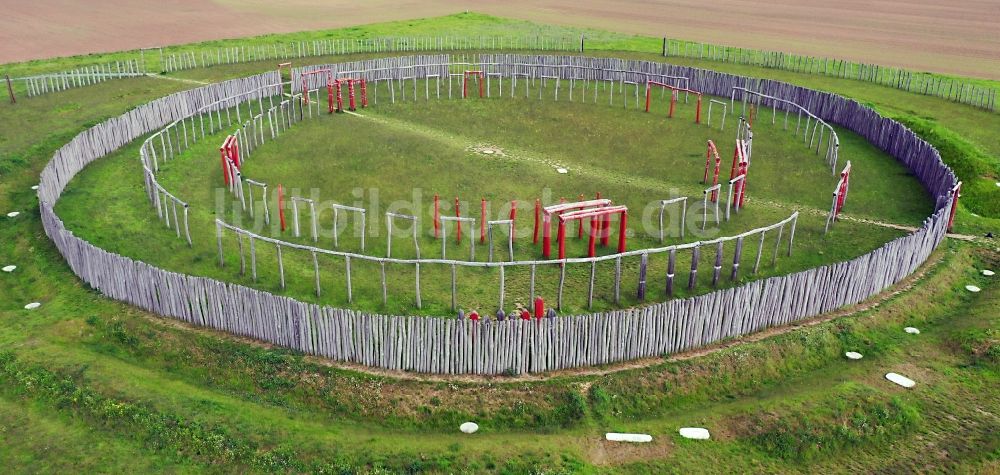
{"points": [[848, 416]]}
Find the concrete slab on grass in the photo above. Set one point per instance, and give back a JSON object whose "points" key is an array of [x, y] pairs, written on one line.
{"points": [[620, 437], [696, 433], [900, 380]]}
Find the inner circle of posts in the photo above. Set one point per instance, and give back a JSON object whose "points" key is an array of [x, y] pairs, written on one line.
{"points": [[279, 117]]}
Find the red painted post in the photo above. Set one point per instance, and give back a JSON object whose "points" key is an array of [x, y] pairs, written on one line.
{"points": [[673, 101], [482, 222], [840, 199], [350, 93], [605, 229], [329, 96], [305, 90], [513, 210], [465, 85], [458, 224], [562, 239], [538, 212], [622, 227], [842, 191], [591, 248], [697, 112], [743, 184], [225, 168], [281, 207], [340, 97], [736, 161], [437, 216], [539, 308], [648, 92], [546, 236], [708, 160], [234, 152], [579, 228], [956, 193], [481, 81], [364, 93]]}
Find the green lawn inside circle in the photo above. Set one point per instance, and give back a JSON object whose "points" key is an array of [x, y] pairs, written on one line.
{"points": [[396, 157]]}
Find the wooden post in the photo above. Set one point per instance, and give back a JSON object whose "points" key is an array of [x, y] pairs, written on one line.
{"points": [[10, 90], [316, 269], [417, 284], [482, 224], [737, 254], [693, 276], [454, 289], [622, 228], [538, 210], [347, 273], [641, 291], [671, 266], [218, 232], [561, 238], [281, 267], [717, 268]]}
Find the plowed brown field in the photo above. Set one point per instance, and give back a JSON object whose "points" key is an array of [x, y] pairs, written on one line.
{"points": [[961, 36]]}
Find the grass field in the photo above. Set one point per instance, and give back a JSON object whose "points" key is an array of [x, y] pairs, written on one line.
{"points": [[87, 384], [391, 157]]}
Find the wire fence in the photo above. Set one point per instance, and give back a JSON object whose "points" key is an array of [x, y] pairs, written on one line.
{"points": [[449, 346]]}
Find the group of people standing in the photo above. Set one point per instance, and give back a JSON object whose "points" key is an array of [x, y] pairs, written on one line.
{"points": [[520, 312]]}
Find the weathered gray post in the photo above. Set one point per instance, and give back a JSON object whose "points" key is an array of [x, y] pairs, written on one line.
{"points": [[693, 275], [316, 269], [281, 266], [717, 268]]}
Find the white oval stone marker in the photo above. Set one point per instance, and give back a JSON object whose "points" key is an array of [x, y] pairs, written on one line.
{"points": [[469, 427], [34, 187], [32, 306], [696, 433], [619, 437], [900, 380], [9, 268], [562, 170], [972, 288], [13, 214], [911, 330], [988, 273], [853, 355]]}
